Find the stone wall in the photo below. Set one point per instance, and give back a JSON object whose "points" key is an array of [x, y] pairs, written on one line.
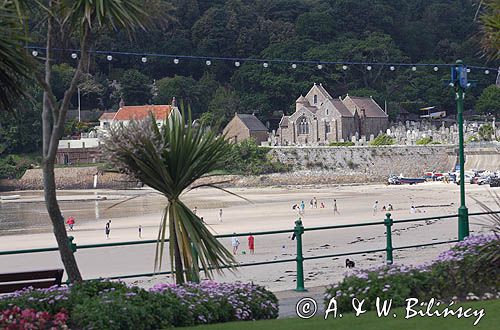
{"points": [[73, 178], [367, 163], [311, 166]]}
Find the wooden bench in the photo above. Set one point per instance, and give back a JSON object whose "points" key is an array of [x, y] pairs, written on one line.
{"points": [[11, 282]]}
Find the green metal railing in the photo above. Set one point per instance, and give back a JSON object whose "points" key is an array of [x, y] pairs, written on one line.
{"points": [[298, 231]]}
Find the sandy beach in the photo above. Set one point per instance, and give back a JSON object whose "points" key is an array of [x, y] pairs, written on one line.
{"points": [[270, 209]]}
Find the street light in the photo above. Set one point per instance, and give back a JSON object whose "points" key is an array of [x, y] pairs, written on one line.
{"points": [[460, 83]]}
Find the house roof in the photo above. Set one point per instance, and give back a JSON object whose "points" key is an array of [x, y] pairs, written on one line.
{"points": [[252, 122], [139, 112], [107, 116], [341, 108], [371, 107]]}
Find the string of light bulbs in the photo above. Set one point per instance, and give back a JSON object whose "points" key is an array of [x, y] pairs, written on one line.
{"points": [[320, 64]]}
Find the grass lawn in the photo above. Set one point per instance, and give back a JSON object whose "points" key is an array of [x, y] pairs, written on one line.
{"points": [[369, 321]]}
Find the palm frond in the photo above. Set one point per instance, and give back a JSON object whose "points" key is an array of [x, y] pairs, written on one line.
{"points": [[14, 64]]}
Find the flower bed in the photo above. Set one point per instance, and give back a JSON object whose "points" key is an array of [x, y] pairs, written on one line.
{"points": [[463, 272], [113, 305], [15, 318]]}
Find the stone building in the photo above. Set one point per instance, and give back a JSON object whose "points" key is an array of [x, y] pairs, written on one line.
{"points": [[244, 126], [319, 119]]}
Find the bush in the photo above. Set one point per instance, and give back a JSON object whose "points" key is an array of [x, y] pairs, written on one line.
{"points": [[424, 140], [14, 166], [455, 273], [382, 140], [249, 158], [113, 305], [341, 144]]}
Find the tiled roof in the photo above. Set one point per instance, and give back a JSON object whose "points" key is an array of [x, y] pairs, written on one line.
{"points": [[252, 122], [107, 116], [323, 90], [139, 112], [341, 108], [284, 121], [371, 107]]}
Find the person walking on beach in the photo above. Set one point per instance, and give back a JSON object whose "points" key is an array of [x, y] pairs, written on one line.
{"points": [[235, 242], [315, 202], [375, 208], [140, 231], [311, 202], [251, 244], [71, 223], [335, 209], [302, 206], [413, 210], [220, 215], [107, 230]]}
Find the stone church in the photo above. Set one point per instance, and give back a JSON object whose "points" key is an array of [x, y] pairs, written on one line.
{"points": [[320, 119]]}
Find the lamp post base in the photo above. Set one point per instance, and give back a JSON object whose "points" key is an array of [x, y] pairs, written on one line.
{"points": [[463, 222]]}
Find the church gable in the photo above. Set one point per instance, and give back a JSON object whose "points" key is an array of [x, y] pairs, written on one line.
{"points": [[317, 95], [303, 111]]}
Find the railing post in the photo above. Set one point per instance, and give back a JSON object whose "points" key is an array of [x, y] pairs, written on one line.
{"points": [[196, 266], [388, 234], [72, 246], [299, 230]]}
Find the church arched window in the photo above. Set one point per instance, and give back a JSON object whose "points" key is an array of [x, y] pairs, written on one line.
{"points": [[303, 125]]}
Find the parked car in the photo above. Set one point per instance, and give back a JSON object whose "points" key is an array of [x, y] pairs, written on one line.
{"points": [[495, 182]]}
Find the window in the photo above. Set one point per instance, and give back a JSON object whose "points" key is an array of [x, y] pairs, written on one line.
{"points": [[328, 128], [303, 125], [327, 111], [315, 99]]}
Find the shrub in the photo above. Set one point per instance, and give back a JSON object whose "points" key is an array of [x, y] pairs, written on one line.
{"points": [[341, 144], [455, 273], [249, 158], [424, 140], [382, 140], [113, 305], [14, 166]]}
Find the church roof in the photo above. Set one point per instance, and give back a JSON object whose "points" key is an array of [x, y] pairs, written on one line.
{"points": [[302, 100], [284, 121], [323, 90], [372, 109], [341, 108], [252, 122]]}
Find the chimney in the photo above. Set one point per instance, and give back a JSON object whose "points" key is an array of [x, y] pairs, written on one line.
{"points": [[174, 102], [363, 113], [122, 103]]}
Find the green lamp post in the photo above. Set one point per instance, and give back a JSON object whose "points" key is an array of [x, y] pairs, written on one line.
{"points": [[460, 83]]}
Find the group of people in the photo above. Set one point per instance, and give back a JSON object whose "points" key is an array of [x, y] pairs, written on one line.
{"points": [[314, 204], [235, 243], [389, 207]]}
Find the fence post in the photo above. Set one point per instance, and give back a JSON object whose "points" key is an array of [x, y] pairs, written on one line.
{"points": [[388, 234], [299, 230], [72, 246], [196, 266]]}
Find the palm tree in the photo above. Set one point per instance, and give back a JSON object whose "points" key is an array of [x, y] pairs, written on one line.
{"points": [[14, 66], [82, 17], [170, 160], [490, 28]]}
